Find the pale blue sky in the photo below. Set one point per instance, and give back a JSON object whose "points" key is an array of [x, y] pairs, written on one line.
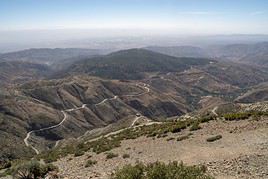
{"points": [[180, 16]]}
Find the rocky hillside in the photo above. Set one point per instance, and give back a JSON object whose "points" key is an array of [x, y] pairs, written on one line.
{"points": [[241, 130], [38, 105]]}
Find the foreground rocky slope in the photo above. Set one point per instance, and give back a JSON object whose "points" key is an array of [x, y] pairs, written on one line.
{"points": [[240, 152]]}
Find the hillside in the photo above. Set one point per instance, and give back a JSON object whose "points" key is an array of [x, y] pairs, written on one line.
{"points": [[180, 51], [49, 56], [257, 93], [230, 144], [164, 87], [19, 72], [132, 64], [105, 95], [253, 54], [39, 104], [237, 74], [245, 53]]}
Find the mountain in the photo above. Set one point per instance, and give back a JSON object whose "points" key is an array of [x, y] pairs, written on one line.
{"points": [[180, 51], [49, 56], [257, 93], [98, 94], [139, 63], [237, 74], [19, 72], [132, 64], [256, 54], [39, 104], [253, 54]]}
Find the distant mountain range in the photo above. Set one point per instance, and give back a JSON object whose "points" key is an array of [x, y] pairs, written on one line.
{"points": [[19, 72], [133, 64], [256, 54], [180, 51], [49, 56], [246, 53]]}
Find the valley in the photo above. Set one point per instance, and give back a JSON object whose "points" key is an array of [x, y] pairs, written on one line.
{"points": [[133, 89], [47, 112]]}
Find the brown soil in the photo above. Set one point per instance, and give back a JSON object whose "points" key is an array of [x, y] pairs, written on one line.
{"points": [[241, 153]]}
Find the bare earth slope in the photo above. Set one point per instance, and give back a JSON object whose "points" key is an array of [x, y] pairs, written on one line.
{"points": [[241, 153]]}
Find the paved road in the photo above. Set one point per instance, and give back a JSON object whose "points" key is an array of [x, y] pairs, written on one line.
{"points": [[26, 139]]}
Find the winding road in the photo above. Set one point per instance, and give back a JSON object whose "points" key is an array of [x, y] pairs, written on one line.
{"points": [[214, 111], [43, 129], [131, 126], [26, 139]]}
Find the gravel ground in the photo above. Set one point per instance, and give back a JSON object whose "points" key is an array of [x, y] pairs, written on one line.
{"points": [[241, 153]]}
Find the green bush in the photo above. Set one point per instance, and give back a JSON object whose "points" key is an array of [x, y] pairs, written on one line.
{"points": [[244, 115], [79, 153], [90, 163], [195, 126], [5, 164], [129, 172], [161, 136], [111, 155], [171, 138], [176, 129], [236, 116], [32, 170], [126, 156], [214, 138], [181, 138], [160, 170], [205, 119]]}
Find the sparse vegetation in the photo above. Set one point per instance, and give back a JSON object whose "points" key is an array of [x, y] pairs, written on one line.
{"points": [[159, 170], [195, 126], [236, 116], [244, 115], [207, 118], [111, 155], [214, 138], [114, 141], [32, 170], [90, 163]]}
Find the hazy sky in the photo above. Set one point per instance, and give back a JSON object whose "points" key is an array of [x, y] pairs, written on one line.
{"points": [[165, 16]]}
